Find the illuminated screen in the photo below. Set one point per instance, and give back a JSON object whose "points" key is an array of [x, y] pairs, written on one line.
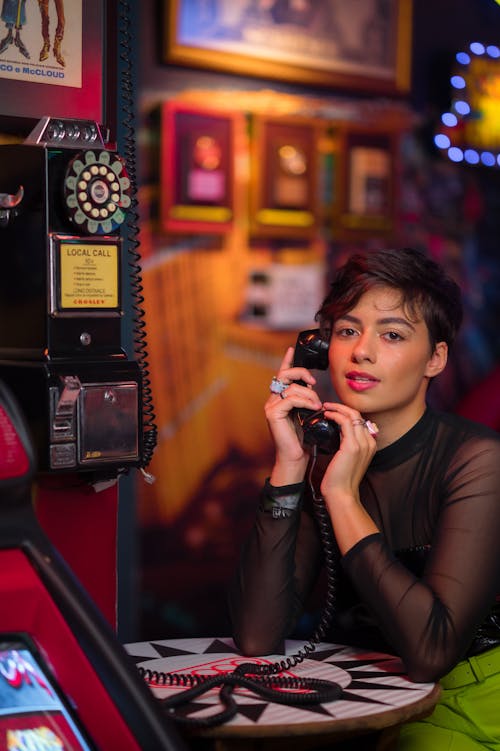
{"points": [[33, 713]]}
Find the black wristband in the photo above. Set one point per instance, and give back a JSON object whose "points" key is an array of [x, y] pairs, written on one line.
{"points": [[281, 502]]}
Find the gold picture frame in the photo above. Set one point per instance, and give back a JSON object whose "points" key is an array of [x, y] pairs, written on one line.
{"points": [[366, 182], [197, 168], [284, 176], [330, 43]]}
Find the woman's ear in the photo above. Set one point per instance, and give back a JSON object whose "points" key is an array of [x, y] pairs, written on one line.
{"points": [[438, 360]]}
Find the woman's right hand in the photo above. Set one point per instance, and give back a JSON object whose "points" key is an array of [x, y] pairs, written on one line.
{"points": [[291, 458]]}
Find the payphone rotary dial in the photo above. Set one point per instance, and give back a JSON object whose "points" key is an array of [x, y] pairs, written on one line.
{"points": [[97, 192]]}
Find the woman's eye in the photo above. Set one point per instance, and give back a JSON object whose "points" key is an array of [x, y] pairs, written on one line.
{"points": [[393, 336], [345, 332]]}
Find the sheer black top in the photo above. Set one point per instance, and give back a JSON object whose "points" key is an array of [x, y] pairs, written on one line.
{"points": [[425, 588]]}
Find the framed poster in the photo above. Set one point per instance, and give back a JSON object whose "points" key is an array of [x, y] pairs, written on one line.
{"points": [[58, 61], [284, 157], [366, 194], [338, 43], [197, 169]]}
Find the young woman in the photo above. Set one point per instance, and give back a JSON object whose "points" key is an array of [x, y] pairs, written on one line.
{"points": [[413, 497]]}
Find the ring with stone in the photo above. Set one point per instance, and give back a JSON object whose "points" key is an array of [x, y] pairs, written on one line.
{"points": [[368, 424], [371, 427], [277, 386]]}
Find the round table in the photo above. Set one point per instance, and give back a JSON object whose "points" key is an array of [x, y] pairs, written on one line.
{"points": [[376, 693]]}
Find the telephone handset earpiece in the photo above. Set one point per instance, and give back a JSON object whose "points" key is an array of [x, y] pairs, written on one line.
{"points": [[311, 351]]}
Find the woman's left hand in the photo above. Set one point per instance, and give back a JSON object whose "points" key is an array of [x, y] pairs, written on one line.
{"points": [[357, 447]]}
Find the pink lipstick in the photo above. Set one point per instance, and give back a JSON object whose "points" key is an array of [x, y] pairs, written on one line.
{"points": [[360, 381]]}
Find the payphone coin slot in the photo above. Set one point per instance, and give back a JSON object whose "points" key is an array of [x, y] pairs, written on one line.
{"points": [[62, 424], [63, 409]]}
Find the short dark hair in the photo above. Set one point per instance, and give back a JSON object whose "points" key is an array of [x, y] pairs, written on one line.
{"points": [[425, 287]]}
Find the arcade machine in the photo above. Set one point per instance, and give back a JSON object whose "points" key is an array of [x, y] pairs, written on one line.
{"points": [[65, 682], [64, 196]]}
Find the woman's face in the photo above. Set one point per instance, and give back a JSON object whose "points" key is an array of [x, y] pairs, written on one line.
{"points": [[381, 359]]}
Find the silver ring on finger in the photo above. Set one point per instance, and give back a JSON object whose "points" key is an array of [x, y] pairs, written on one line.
{"points": [[368, 424], [277, 386]]}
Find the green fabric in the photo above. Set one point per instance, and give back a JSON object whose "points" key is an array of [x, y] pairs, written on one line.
{"points": [[465, 719]]}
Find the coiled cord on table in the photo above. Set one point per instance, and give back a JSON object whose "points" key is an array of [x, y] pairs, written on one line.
{"points": [[263, 680]]}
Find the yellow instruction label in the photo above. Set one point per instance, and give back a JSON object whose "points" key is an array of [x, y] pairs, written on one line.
{"points": [[89, 275]]}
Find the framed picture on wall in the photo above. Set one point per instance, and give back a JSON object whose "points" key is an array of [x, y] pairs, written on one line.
{"points": [[284, 159], [197, 169], [338, 43], [59, 60], [367, 182]]}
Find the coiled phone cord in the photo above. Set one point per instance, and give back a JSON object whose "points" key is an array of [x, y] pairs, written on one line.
{"points": [[150, 431], [263, 680]]}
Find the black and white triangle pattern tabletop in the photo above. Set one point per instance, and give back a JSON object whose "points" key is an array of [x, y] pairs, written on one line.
{"points": [[372, 682]]}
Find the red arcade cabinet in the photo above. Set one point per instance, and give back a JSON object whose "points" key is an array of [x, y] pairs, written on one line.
{"points": [[65, 681]]}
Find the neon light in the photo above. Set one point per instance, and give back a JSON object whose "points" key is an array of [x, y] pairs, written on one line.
{"points": [[458, 82], [488, 159], [442, 141], [471, 156], [455, 154], [493, 51], [462, 107], [470, 131], [477, 48]]}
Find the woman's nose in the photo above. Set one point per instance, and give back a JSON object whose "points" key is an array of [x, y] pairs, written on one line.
{"points": [[364, 349]]}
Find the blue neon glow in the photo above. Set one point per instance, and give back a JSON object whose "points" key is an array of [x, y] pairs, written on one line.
{"points": [[449, 119], [477, 48], [461, 111], [471, 156], [442, 141], [493, 51], [455, 154], [462, 107], [488, 159]]}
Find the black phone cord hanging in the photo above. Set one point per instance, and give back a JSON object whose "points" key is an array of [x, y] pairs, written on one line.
{"points": [[263, 680], [150, 431]]}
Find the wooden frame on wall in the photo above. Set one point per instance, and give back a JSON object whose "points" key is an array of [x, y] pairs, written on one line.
{"points": [[330, 43], [284, 176], [197, 169], [366, 181]]}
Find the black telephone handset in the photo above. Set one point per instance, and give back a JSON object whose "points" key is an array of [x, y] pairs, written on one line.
{"points": [[311, 351]]}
